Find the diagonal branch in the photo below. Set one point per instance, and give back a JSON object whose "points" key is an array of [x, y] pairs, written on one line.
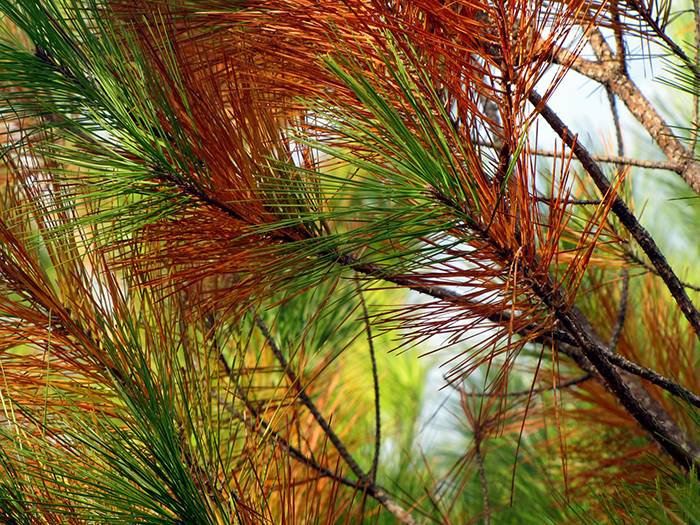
{"points": [[607, 71], [620, 209], [574, 323], [633, 257], [263, 429], [558, 336], [363, 481], [591, 355], [631, 373]]}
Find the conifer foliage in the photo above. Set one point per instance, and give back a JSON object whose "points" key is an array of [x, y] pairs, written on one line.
{"points": [[228, 228]]}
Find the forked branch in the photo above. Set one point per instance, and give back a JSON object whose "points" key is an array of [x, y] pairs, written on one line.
{"points": [[444, 294]]}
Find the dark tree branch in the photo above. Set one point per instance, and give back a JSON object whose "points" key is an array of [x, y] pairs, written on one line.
{"points": [[591, 355], [565, 343], [631, 373], [263, 429], [574, 323], [620, 209], [306, 400], [503, 319], [622, 309], [653, 377]]}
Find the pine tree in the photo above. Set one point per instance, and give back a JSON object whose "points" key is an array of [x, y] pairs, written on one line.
{"points": [[229, 229]]}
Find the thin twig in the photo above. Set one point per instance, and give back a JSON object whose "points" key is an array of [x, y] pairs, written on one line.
{"points": [[629, 366], [653, 377], [306, 400], [616, 159], [607, 159], [696, 99], [616, 122], [622, 308], [621, 311], [263, 429], [535, 391], [572, 202], [375, 379]]}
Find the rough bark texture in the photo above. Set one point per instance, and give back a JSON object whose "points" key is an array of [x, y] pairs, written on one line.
{"points": [[608, 72]]}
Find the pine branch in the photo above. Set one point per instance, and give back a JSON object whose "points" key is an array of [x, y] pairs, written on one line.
{"points": [[262, 427], [621, 311], [596, 353], [653, 377], [503, 319], [567, 344], [592, 357], [631, 373], [575, 323], [274, 438]]}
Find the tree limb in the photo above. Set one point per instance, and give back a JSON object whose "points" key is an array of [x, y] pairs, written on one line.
{"points": [[576, 325], [619, 208], [607, 71], [503, 319]]}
